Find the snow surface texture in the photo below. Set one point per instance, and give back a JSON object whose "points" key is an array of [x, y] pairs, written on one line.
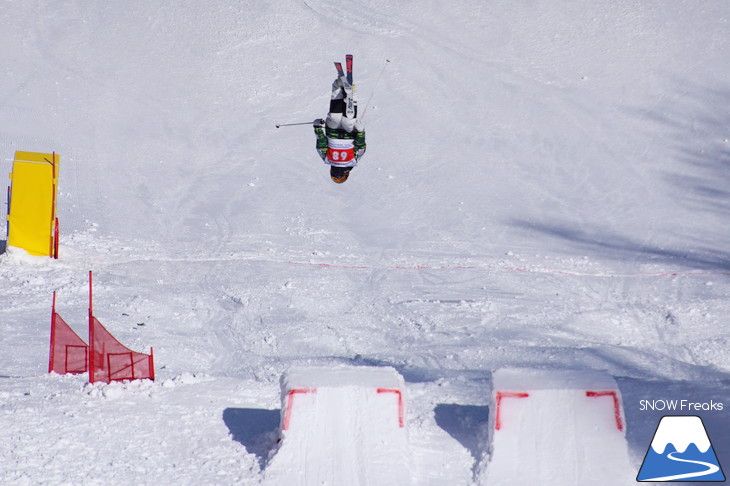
{"points": [[542, 418], [342, 425], [545, 187]]}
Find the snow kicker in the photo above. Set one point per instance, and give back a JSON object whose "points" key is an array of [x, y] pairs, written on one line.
{"points": [[341, 426], [347, 425], [556, 428]]}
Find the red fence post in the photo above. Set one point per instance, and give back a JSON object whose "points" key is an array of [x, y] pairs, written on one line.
{"points": [[92, 371], [51, 354], [152, 364]]}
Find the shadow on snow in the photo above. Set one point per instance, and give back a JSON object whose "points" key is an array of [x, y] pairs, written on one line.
{"points": [[254, 428], [696, 127]]}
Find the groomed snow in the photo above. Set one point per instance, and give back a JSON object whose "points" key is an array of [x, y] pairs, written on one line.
{"points": [[556, 427], [545, 187], [341, 425]]}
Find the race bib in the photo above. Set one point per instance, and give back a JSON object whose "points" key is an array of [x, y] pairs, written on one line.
{"points": [[340, 151]]}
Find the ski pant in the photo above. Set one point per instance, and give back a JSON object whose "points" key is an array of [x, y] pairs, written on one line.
{"points": [[336, 118]]}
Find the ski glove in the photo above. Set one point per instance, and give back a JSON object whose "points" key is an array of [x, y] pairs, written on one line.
{"points": [[318, 123], [321, 140], [360, 145]]}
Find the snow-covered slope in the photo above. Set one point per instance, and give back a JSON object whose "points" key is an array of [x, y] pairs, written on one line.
{"points": [[563, 427], [545, 186]]}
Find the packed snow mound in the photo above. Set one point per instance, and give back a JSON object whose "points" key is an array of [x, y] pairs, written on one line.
{"points": [[342, 376], [556, 428], [515, 379], [341, 426]]}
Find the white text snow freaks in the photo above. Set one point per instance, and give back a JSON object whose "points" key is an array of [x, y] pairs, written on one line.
{"points": [[680, 405]]}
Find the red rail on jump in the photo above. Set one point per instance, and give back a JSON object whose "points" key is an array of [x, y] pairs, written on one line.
{"points": [[500, 397]]}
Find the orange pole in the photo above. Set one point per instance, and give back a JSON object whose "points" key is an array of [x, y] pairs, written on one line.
{"points": [[53, 206]]}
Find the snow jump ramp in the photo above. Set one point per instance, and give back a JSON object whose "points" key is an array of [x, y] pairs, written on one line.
{"points": [[341, 426], [556, 429]]}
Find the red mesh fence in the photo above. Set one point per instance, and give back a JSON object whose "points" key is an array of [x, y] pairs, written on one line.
{"points": [[112, 361], [105, 358], [69, 353]]}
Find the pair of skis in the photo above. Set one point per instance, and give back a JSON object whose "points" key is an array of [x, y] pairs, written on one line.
{"points": [[340, 72], [346, 80]]}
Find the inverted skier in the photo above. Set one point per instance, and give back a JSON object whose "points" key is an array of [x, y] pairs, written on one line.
{"points": [[341, 137]]}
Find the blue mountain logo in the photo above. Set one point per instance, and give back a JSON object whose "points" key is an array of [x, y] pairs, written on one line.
{"points": [[681, 450]]}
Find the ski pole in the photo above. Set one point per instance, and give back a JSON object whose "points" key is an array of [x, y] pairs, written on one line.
{"points": [[278, 125], [387, 61]]}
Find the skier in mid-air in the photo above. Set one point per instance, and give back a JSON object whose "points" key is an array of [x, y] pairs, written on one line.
{"points": [[341, 136]]}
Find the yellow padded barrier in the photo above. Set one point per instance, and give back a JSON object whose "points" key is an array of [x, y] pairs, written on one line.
{"points": [[33, 202]]}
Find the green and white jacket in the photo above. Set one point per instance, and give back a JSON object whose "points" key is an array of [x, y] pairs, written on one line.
{"points": [[338, 147]]}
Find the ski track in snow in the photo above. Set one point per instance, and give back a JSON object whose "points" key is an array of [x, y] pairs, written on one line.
{"points": [[544, 187]]}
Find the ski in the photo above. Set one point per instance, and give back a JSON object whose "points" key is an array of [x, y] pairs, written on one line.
{"points": [[349, 89], [340, 72], [348, 65], [351, 103]]}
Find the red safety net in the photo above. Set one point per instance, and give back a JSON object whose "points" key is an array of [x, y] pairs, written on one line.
{"points": [[69, 353], [112, 361]]}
